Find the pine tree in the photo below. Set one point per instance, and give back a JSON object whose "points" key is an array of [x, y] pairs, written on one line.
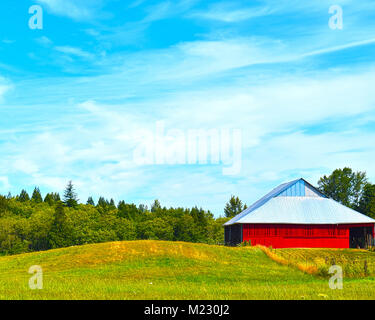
{"points": [[58, 235], [37, 196], [155, 206], [233, 207], [142, 208], [112, 204], [199, 216], [49, 199], [90, 201], [52, 198], [4, 204], [102, 202], [60, 216], [24, 196], [70, 196], [128, 211], [56, 197]]}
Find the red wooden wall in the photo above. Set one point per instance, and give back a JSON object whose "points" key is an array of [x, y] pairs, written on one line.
{"points": [[299, 236]]}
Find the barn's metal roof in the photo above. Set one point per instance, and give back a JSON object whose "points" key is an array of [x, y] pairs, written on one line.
{"points": [[285, 204]]}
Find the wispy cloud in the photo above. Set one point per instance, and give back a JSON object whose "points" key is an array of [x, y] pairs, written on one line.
{"points": [[43, 40], [95, 147], [166, 9], [7, 41], [340, 47], [227, 12], [78, 52], [5, 182], [75, 9], [300, 93], [5, 86]]}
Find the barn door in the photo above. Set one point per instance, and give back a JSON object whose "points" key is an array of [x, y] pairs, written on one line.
{"points": [[360, 237]]}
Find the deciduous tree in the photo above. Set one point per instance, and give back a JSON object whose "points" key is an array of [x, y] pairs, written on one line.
{"points": [[344, 186]]}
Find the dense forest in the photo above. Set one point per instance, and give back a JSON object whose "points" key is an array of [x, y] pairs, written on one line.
{"points": [[33, 223], [36, 223]]}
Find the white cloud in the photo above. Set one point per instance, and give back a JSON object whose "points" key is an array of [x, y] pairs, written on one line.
{"points": [[226, 12], [7, 41], [43, 40], [5, 86], [165, 9], [3, 90], [25, 166], [233, 11], [340, 47], [75, 9], [97, 152], [78, 52], [5, 185], [203, 84]]}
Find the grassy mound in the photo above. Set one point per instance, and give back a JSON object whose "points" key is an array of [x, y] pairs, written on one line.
{"points": [[166, 270]]}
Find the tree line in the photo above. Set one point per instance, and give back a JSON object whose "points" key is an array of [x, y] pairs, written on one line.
{"points": [[33, 223]]}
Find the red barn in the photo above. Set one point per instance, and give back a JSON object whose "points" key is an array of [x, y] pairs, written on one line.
{"points": [[296, 214]]}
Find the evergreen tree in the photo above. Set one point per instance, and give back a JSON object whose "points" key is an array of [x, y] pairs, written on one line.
{"points": [[102, 202], [142, 208], [60, 216], [52, 198], [155, 206], [199, 216], [3, 204], [90, 201], [24, 196], [49, 199], [70, 196], [37, 196], [112, 204], [128, 211], [234, 207], [121, 204], [58, 236]]}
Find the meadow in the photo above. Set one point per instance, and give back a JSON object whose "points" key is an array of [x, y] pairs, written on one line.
{"points": [[355, 263], [178, 270]]}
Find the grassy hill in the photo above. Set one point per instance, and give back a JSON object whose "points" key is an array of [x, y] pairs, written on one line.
{"points": [[169, 270]]}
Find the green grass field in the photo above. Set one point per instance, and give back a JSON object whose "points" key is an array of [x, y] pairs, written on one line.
{"points": [[174, 270]]}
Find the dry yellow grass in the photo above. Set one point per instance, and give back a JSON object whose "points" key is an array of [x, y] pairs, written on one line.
{"points": [[306, 267], [355, 262]]}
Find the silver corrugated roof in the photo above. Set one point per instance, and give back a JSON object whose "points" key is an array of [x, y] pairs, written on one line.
{"points": [[261, 201], [298, 210]]}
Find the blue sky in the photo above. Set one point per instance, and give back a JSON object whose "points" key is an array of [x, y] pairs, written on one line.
{"points": [[75, 95]]}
